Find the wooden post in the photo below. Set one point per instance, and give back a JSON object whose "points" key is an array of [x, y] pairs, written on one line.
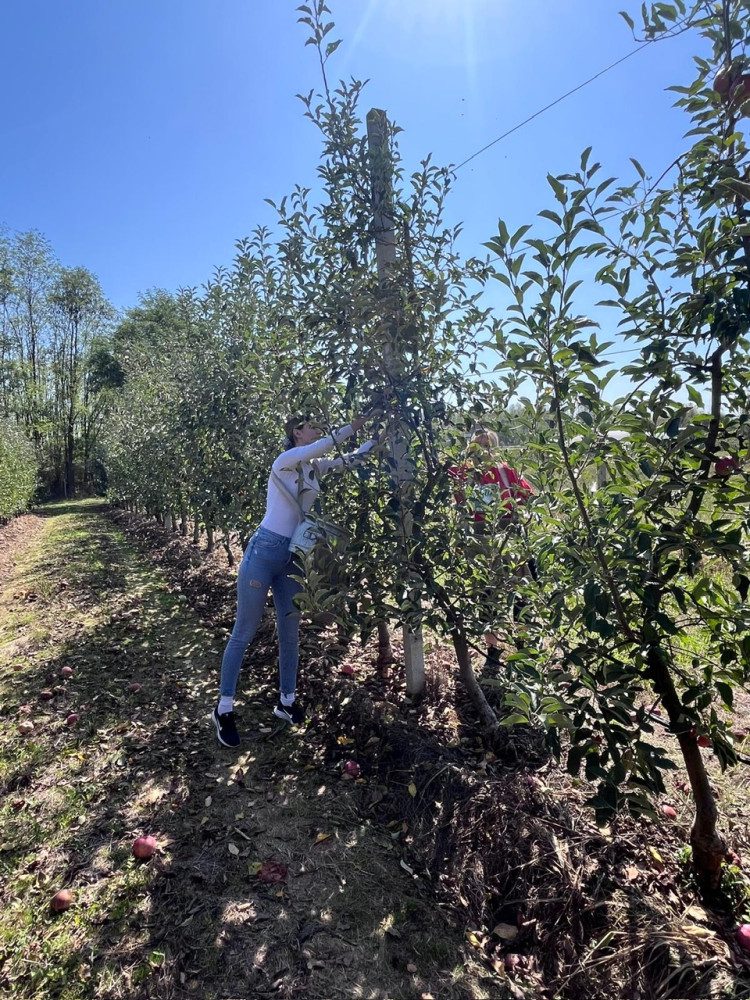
{"points": [[385, 251]]}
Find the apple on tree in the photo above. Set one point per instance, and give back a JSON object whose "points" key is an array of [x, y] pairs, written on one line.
{"points": [[728, 466]]}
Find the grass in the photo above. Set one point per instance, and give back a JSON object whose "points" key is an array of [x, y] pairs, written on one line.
{"points": [[195, 921]]}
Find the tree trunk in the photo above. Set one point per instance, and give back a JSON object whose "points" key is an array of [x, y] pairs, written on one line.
{"points": [[228, 549], [209, 538], [183, 522], [708, 846], [196, 529], [385, 649], [485, 712], [70, 484], [709, 849], [168, 520]]}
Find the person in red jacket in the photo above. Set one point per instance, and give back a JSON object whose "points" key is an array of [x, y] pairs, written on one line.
{"points": [[482, 486], [489, 482]]}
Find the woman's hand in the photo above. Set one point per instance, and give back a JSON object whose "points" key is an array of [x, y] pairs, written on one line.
{"points": [[374, 413]]}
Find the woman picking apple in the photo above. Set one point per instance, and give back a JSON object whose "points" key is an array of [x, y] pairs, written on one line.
{"points": [[268, 563]]}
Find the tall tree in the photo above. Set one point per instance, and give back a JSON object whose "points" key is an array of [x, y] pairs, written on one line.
{"points": [[79, 313]]}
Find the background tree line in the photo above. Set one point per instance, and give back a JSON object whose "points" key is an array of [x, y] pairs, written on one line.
{"points": [[55, 373]]}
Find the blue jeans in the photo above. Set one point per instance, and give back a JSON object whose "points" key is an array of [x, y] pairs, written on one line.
{"points": [[266, 564]]}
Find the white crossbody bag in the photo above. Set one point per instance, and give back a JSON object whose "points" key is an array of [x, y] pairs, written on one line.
{"points": [[312, 528]]}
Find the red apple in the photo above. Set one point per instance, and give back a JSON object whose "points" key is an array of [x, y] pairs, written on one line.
{"points": [[743, 936], [727, 466], [62, 901], [144, 848], [25, 710], [67, 672], [273, 872], [347, 670], [352, 768], [46, 695], [26, 728], [704, 741], [741, 89], [669, 811], [17, 805], [72, 719], [135, 687], [723, 81]]}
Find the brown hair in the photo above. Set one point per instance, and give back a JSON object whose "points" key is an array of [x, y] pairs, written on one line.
{"points": [[291, 425]]}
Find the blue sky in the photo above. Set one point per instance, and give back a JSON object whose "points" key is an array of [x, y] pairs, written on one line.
{"points": [[141, 136]]}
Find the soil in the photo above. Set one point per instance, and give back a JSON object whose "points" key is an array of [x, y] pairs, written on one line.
{"points": [[451, 868]]}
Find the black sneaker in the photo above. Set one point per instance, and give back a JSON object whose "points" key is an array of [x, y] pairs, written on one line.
{"points": [[290, 713], [226, 728]]}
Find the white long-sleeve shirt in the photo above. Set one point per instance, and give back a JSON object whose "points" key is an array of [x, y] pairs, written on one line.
{"points": [[300, 469]]}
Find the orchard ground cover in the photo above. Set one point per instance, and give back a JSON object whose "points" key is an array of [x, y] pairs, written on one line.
{"points": [[267, 880], [452, 867]]}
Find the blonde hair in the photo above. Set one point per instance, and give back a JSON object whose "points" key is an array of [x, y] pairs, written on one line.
{"points": [[491, 436]]}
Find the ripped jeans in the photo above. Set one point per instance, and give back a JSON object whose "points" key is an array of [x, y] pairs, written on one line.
{"points": [[265, 564]]}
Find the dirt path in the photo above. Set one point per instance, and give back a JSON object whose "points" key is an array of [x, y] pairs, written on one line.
{"points": [[347, 920]]}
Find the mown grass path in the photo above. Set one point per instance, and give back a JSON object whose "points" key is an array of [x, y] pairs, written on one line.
{"points": [[195, 921]]}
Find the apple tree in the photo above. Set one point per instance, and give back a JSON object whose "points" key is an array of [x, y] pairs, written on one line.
{"points": [[645, 580]]}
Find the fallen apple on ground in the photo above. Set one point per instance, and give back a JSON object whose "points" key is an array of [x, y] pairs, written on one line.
{"points": [[62, 901], [669, 811], [273, 872], [704, 741], [352, 768], [67, 672], [743, 936], [144, 848], [26, 728], [72, 719]]}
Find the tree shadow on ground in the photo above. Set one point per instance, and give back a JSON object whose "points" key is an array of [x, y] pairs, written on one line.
{"points": [[195, 921], [502, 834]]}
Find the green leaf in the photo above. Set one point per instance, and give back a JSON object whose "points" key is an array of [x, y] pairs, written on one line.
{"points": [[726, 692]]}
